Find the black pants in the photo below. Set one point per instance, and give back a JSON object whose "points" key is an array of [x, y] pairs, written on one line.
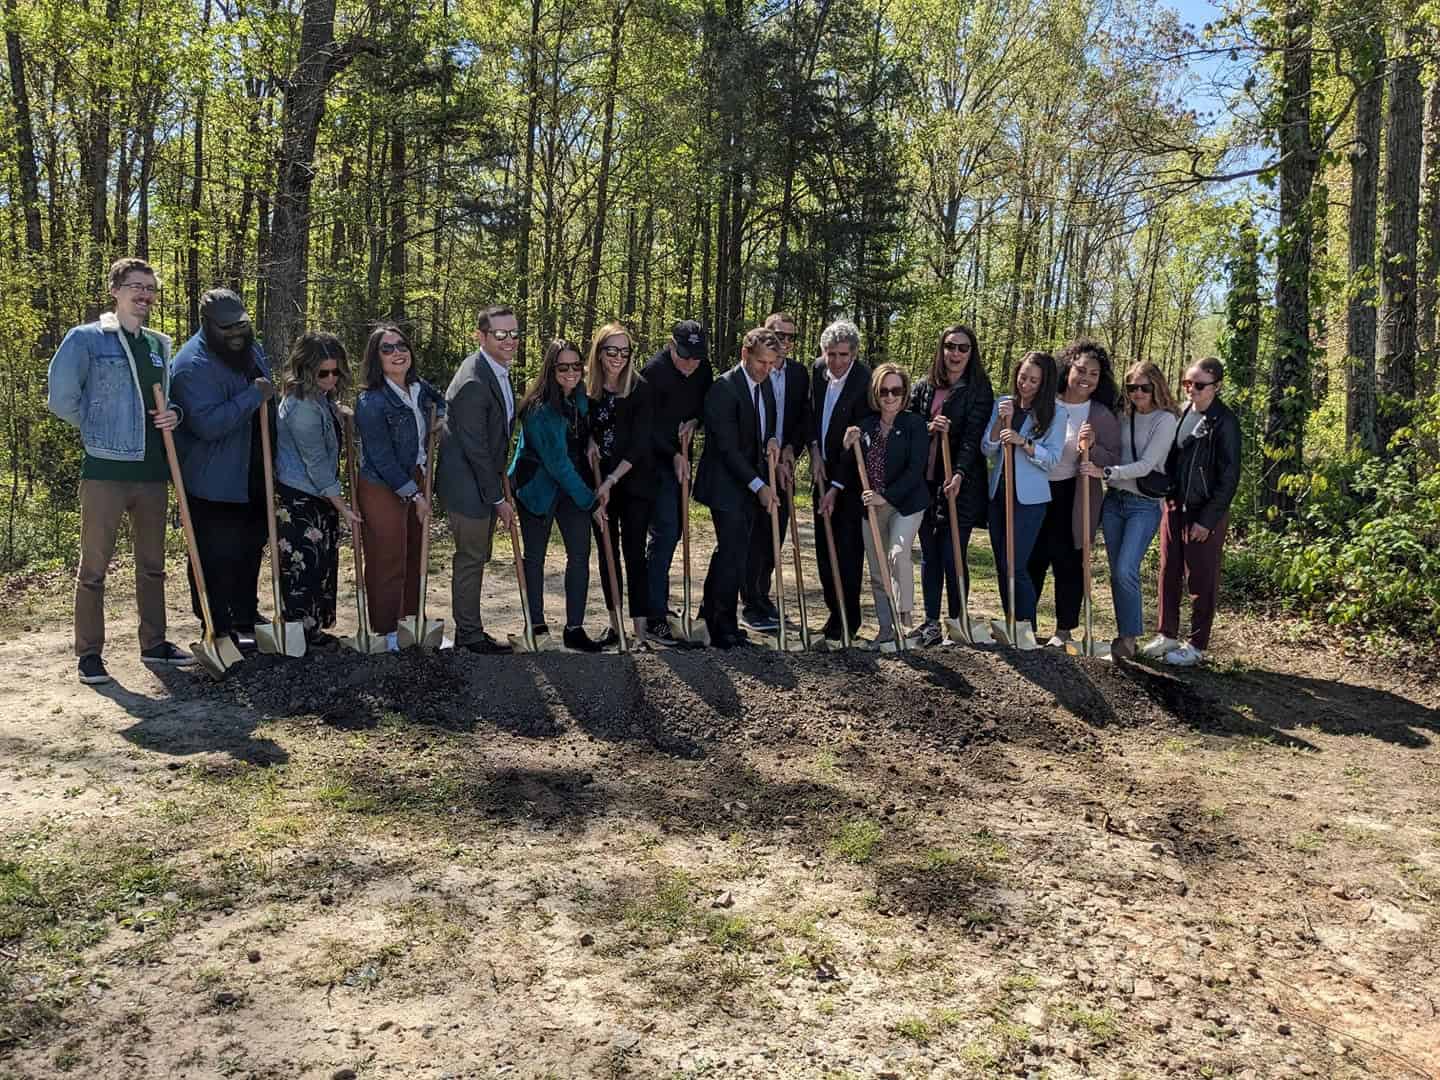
{"points": [[760, 561], [733, 529], [1055, 550], [845, 520], [629, 517], [231, 538], [575, 533]]}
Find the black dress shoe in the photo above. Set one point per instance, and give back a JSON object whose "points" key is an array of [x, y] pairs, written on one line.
{"points": [[578, 640], [609, 639], [486, 645]]}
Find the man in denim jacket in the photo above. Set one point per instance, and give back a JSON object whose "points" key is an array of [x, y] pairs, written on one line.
{"points": [[101, 380], [221, 379]]}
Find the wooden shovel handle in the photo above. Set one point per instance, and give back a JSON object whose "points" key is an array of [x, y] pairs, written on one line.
{"points": [[178, 479]]}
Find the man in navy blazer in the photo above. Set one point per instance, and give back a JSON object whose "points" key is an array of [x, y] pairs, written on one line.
{"points": [[791, 382], [740, 423]]}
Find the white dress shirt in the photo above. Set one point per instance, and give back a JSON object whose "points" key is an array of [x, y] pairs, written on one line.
{"points": [[833, 389], [757, 483], [410, 394], [502, 376], [777, 382]]}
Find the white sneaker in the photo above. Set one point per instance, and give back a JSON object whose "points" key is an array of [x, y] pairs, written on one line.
{"points": [[1158, 646], [392, 641], [1185, 656]]}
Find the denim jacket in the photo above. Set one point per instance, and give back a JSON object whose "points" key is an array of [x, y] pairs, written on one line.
{"points": [[213, 439], [94, 385], [389, 442], [1032, 484], [307, 451]]}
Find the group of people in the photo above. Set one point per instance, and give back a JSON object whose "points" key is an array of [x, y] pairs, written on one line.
{"points": [[602, 447]]}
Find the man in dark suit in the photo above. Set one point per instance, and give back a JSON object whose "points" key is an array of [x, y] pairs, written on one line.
{"points": [[839, 398], [474, 447], [791, 383], [740, 420]]}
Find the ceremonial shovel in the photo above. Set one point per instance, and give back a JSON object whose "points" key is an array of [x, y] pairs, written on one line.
{"points": [[882, 556], [782, 633], [525, 642], [276, 637], [964, 628], [799, 575], [617, 606], [684, 627], [1012, 632], [362, 641], [215, 655], [417, 629], [1087, 646]]}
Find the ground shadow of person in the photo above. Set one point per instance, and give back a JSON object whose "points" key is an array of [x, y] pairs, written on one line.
{"points": [[1060, 674], [185, 724]]}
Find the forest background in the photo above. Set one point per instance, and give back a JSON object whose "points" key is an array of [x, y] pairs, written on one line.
{"points": [[1265, 186]]}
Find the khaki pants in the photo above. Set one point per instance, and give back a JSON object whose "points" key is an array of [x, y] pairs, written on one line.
{"points": [[897, 533], [473, 539], [103, 505]]}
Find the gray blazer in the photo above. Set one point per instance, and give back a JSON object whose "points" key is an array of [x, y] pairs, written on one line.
{"points": [[474, 442]]}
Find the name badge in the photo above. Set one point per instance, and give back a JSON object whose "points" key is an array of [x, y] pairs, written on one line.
{"points": [[156, 361]]}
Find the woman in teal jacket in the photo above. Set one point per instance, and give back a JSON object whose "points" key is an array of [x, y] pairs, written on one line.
{"points": [[1024, 419], [548, 479]]}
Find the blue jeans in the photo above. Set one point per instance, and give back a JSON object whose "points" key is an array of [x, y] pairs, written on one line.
{"points": [[1129, 522], [1029, 517], [664, 535]]}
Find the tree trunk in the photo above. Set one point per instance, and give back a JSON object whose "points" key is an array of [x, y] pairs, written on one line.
{"points": [[1429, 298], [527, 195], [24, 138], [1289, 392], [197, 191], [1396, 344], [1360, 429], [602, 183], [399, 226]]}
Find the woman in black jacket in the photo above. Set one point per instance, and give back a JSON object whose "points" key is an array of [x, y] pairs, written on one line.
{"points": [[895, 445], [954, 399], [1205, 464], [622, 409]]}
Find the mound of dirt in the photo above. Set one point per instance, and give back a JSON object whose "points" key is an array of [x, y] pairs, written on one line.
{"points": [[680, 701]]}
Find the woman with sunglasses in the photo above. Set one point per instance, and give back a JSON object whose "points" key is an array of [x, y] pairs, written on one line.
{"points": [[393, 419], [1025, 420], [954, 399], [1083, 402], [1130, 518], [622, 409], [547, 475], [896, 446], [307, 474], [1205, 465]]}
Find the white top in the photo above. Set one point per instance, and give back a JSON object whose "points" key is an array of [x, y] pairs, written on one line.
{"points": [[1155, 434], [833, 389], [502, 375], [1072, 416], [411, 396]]}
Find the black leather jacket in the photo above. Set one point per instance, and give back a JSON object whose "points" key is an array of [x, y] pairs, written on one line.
{"points": [[1207, 468]]}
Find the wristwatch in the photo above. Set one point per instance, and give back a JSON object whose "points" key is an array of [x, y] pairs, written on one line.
{"points": [[1106, 471]]}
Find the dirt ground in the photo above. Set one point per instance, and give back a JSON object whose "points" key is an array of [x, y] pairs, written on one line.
{"points": [[962, 862]]}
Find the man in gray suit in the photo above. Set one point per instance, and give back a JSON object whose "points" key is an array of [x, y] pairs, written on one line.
{"points": [[473, 453]]}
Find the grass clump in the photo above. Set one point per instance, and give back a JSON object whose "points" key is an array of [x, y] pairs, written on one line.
{"points": [[857, 841]]}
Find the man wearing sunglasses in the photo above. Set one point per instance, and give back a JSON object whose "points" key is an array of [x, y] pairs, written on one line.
{"points": [[102, 381], [221, 379], [474, 449], [791, 384]]}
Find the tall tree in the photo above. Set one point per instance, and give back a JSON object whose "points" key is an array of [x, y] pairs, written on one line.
{"points": [[1368, 62], [1428, 312]]}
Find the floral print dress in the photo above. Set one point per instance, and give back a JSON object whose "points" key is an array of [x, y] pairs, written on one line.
{"points": [[309, 535]]}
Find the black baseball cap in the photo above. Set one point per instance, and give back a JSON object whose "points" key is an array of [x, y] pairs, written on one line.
{"points": [[223, 307], [689, 339]]}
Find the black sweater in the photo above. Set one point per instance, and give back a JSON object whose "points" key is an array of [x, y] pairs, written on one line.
{"points": [[677, 398]]}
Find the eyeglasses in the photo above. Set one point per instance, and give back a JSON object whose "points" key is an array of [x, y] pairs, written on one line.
{"points": [[1191, 384], [956, 346], [504, 335], [610, 352], [783, 336], [139, 289], [388, 347], [327, 373], [1139, 388], [575, 366], [890, 391]]}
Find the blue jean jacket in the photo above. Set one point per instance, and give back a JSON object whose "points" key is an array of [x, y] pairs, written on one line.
{"points": [[94, 386], [213, 439], [389, 442], [307, 449]]}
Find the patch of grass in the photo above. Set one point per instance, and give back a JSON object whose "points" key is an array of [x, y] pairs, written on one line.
{"points": [[1175, 745], [1307, 842], [857, 840], [341, 795], [940, 858], [730, 933], [1015, 984], [922, 1030], [1099, 1027], [990, 848], [667, 907]]}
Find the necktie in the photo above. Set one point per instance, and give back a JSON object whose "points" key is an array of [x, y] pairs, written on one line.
{"points": [[759, 424]]}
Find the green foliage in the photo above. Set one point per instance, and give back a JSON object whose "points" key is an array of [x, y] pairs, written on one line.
{"points": [[1363, 548]]}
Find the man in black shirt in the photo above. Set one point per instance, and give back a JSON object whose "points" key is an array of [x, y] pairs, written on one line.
{"points": [[680, 374]]}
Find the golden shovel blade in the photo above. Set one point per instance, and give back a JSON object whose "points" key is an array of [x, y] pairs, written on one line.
{"points": [[217, 656], [280, 639], [698, 634], [977, 634], [1088, 647], [428, 634]]}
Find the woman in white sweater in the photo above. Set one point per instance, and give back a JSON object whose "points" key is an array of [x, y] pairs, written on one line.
{"points": [[1130, 519]]}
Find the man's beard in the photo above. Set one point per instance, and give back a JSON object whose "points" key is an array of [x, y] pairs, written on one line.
{"points": [[235, 359]]}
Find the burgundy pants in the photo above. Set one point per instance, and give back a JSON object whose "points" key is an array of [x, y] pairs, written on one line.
{"points": [[1199, 563], [392, 534]]}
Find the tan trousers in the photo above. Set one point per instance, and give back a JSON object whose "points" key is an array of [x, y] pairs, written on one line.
{"points": [[897, 533], [103, 506], [473, 540]]}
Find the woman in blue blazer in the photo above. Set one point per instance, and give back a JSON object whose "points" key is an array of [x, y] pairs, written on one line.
{"points": [[1024, 419], [896, 445], [547, 475]]}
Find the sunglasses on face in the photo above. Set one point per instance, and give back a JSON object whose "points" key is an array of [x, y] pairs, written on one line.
{"points": [[575, 366], [610, 352], [327, 373], [785, 337], [890, 391], [389, 347], [504, 335], [957, 346], [1191, 384], [1139, 388]]}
